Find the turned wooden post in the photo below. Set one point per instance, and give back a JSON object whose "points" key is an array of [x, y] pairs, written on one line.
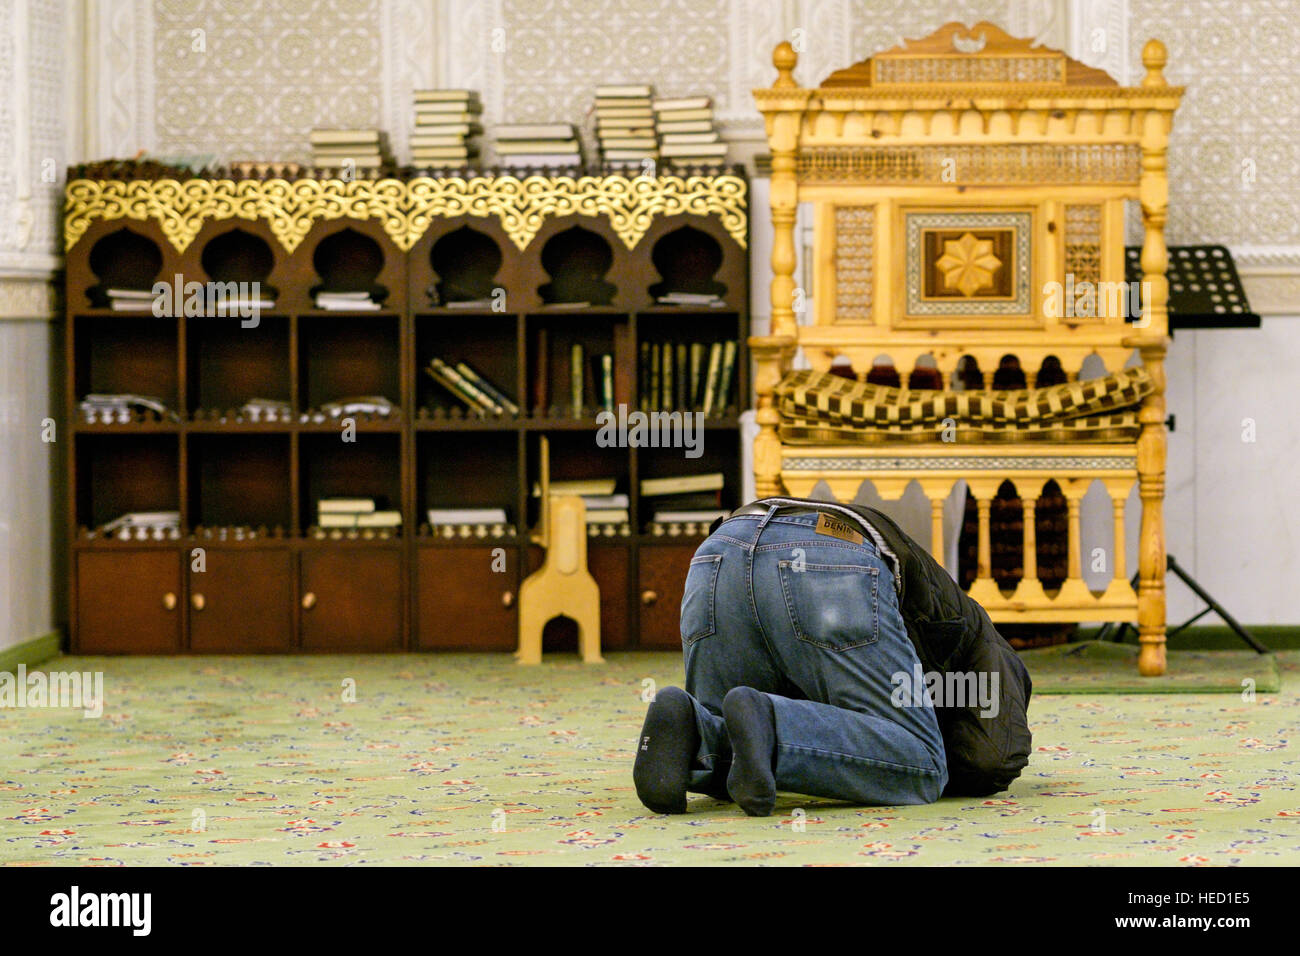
{"points": [[1151, 452]]}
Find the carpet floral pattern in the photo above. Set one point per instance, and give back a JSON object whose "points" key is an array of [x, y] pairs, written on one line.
{"points": [[470, 759]]}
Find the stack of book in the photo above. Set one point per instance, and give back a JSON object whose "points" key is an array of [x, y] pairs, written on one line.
{"points": [[686, 132], [346, 302], [684, 499], [471, 522], [625, 125], [119, 408], [354, 513], [362, 148], [604, 506], [446, 122], [538, 144], [130, 300], [687, 376], [471, 388], [369, 406], [143, 525]]}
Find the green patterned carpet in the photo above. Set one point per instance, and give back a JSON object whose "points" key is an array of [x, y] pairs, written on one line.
{"points": [[471, 759]]}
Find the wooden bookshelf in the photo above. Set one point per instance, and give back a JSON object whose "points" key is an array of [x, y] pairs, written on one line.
{"points": [[246, 490]]}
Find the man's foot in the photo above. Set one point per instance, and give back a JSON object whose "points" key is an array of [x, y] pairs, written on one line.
{"points": [[664, 751], [751, 724]]}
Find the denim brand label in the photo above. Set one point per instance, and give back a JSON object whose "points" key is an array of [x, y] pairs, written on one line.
{"points": [[838, 529]]}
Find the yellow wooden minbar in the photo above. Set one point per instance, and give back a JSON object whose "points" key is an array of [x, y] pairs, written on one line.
{"points": [[967, 189]]}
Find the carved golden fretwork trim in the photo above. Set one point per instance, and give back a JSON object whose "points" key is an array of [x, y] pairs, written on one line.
{"points": [[1037, 163], [405, 207]]}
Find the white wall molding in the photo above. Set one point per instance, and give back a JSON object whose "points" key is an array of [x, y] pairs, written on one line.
{"points": [[1271, 276], [120, 78], [409, 40], [27, 299]]}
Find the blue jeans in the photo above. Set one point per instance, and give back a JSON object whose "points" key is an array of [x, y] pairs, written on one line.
{"points": [[812, 621]]}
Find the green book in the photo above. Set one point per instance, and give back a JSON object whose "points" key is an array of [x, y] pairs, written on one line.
{"points": [[445, 373], [474, 378], [577, 379], [728, 373], [711, 381], [607, 382], [698, 352], [653, 403], [666, 371]]}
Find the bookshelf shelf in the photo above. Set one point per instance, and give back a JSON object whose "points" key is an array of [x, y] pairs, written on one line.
{"points": [[247, 491]]}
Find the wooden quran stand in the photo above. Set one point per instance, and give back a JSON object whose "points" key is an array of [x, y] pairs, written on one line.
{"points": [[562, 585]]}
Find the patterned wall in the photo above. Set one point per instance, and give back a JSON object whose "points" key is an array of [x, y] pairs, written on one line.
{"points": [[1239, 65], [265, 75]]}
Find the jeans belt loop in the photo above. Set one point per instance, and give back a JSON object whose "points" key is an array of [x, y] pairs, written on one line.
{"points": [[768, 517]]}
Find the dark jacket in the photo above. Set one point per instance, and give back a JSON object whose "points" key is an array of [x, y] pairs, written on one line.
{"points": [[952, 633]]}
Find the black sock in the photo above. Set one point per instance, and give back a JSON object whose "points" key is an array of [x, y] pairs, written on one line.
{"points": [[664, 751], [751, 725]]}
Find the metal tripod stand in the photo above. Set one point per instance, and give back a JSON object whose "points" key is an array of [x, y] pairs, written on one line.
{"points": [[1119, 629]]}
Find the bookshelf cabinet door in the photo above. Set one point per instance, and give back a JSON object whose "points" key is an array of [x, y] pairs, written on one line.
{"points": [[462, 604], [663, 582], [129, 602], [351, 600], [242, 602]]}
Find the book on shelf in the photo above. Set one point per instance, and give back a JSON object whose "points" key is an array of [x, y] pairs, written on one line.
{"points": [[625, 124], [607, 382], [458, 108], [710, 299], [445, 96], [669, 105], [130, 300], [722, 397], [690, 126], [576, 378], [469, 516], [107, 405], [463, 388], [346, 137], [369, 519], [606, 515], [346, 302], [375, 405], [438, 141], [485, 385], [700, 516], [526, 131], [147, 520], [525, 146], [461, 153], [579, 486], [681, 484], [693, 150], [671, 139], [604, 501], [712, 377], [542, 159], [684, 116], [428, 128], [345, 505]]}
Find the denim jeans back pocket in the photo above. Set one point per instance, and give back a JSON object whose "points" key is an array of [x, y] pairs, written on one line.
{"points": [[832, 606], [698, 619]]}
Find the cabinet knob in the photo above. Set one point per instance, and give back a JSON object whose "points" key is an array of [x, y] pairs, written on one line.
{"points": [[198, 602], [649, 597], [508, 599], [169, 601], [308, 601]]}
